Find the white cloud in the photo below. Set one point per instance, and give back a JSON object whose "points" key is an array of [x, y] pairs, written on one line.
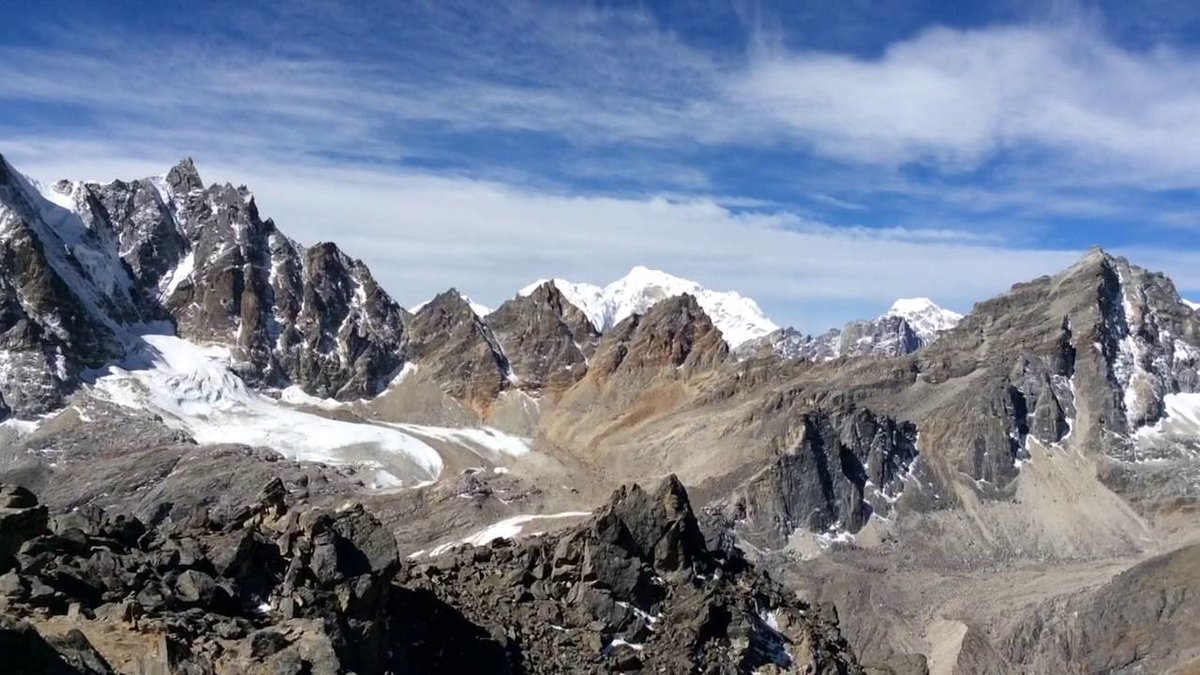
{"points": [[957, 98], [1065, 104]]}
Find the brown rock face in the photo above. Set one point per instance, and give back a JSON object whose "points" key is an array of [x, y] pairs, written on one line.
{"points": [[459, 349], [674, 333], [547, 339]]}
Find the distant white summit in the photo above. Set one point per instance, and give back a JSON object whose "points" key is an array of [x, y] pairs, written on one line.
{"points": [[924, 317], [738, 318]]}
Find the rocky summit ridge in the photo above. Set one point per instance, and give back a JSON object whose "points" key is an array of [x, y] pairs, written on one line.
{"points": [[279, 587]]}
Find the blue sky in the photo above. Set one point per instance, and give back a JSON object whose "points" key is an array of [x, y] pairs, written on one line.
{"points": [[823, 158]]}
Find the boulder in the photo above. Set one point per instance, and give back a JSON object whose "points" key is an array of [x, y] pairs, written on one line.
{"points": [[16, 497], [21, 519], [25, 651]]}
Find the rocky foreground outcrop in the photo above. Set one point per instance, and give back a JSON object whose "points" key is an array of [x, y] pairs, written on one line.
{"points": [[280, 587]]}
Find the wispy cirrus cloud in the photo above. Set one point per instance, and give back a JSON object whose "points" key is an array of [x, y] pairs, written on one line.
{"points": [[952, 99], [957, 98]]}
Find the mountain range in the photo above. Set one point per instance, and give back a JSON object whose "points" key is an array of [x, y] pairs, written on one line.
{"points": [[738, 318], [1013, 490]]}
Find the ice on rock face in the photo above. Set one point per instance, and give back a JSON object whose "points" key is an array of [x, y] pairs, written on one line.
{"points": [[738, 318], [85, 258], [193, 388]]}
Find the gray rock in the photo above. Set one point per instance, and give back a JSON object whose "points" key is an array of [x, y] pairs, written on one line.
{"points": [[28, 653], [16, 497], [193, 586], [17, 527]]}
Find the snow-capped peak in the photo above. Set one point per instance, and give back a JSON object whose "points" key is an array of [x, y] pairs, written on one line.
{"points": [[924, 317], [738, 318], [1190, 304]]}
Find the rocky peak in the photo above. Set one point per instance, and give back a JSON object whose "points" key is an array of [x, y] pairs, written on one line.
{"points": [[546, 339], [311, 317], [675, 333], [659, 528], [447, 309], [346, 337], [738, 317], [66, 297], [183, 178], [460, 350], [633, 589], [151, 242], [87, 260], [1091, 351], [926, 319], [581, 327]]}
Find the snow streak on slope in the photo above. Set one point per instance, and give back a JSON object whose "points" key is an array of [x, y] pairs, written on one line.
{"points": [[508, 528], [738, 318], [193, 389], [490, 444], [925, 318]]}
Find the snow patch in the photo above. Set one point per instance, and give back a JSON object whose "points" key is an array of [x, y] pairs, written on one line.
{"points": [[620, 642], [296, 396], [834, 536], [508, 528]]}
